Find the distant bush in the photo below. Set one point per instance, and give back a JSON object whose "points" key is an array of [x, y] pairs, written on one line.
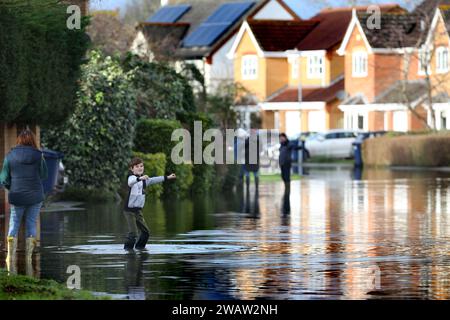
{"points": [[204, 174], [155, 165], [428, 150], [154, 135]]}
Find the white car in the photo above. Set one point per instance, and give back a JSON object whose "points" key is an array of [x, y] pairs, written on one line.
{"points": [[331, 144]]}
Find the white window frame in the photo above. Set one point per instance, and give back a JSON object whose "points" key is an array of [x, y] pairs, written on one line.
{"points": [[442, 54], [424, 55], [295, 68], [315, 66], [249, 67], [360, 62]]}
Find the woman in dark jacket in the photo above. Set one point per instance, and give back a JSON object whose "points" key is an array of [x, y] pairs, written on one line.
{"points": [[24, 168], [285, 159]]}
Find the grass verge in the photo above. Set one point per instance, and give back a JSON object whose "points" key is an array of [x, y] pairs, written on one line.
{"points": [[20, 287]]}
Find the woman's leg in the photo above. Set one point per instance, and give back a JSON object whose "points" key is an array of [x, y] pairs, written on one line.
{"points": [[15, 220], [31, 217]]}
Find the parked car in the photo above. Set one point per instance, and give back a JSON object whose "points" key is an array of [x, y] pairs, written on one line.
{"points": [[331, 144], [303, 135]]}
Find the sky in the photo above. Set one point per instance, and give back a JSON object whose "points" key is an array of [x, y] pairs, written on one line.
{"points": [[304, 8]]}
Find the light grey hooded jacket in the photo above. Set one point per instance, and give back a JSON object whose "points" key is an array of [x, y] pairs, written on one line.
{"points": [[136, 194]]}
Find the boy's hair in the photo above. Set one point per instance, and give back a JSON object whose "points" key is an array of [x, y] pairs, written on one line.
{"points": [[134, 162]]}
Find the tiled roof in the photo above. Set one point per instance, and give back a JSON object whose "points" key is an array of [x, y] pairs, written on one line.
{"points": [[397, 31], [403, 91], [327, 94], [428, 7], [333, 26], [277, 35]]}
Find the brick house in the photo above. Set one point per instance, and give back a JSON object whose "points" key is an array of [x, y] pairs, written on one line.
{"points": [[391, 72], [297, 76]]}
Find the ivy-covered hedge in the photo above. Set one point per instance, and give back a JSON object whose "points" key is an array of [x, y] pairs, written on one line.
{"points": [[154, 165], [154, 135], [40, 61], [97, 138]]}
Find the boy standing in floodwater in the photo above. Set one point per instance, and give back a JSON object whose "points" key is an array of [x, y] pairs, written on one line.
{"points": [[137, 182]]}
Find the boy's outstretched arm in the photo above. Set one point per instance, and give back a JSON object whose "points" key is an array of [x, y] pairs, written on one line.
{"points": [[155, 180], [160, 179]]}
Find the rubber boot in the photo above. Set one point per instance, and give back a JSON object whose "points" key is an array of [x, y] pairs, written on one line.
{"points": [[129, 243], [11, 258], [142, 241], [12, 247], [29, 248]]}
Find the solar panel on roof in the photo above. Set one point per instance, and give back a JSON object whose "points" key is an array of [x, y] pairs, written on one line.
{"points": [[229, 12], [219, 22], [205, 35], [169, 14]]}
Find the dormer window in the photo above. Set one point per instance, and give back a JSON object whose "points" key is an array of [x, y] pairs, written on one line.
{"points": [[249, 67], [442, 60], [359, 64], [315, 67]]}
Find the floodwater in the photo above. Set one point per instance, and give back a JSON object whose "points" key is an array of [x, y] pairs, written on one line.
{"points": [[334, 235]]}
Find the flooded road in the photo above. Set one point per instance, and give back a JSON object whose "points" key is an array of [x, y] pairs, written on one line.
{"points": [[335, 234]]}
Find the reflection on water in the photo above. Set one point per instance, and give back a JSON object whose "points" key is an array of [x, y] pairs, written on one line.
{"points": [[322, 238]]}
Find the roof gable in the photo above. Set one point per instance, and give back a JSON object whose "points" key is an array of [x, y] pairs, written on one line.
{"points": [[280, 36], [354, 24], [275, 10]]}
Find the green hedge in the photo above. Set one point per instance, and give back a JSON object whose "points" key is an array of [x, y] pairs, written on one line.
{"points": [[427, 150], [154, 165], [204, 174], [40, 61], [153, 136]]}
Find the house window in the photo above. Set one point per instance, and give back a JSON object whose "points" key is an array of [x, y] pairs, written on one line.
{"points": [[442, 60], [295, 69], [249, 67], [315, 66], [424, 62], [443, 121], [360, 122], [359, 64]]}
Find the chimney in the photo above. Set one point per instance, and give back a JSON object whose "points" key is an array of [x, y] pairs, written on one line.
{"points": [[164, 3]]}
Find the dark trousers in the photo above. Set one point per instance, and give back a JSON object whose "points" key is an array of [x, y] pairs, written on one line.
{"points": [[286, 173], [136, 224]]}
